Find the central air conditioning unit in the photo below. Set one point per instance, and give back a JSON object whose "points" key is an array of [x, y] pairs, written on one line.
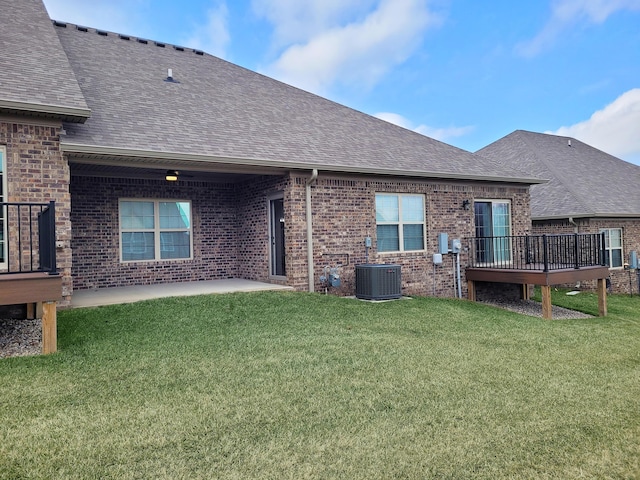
{"points": [[378, 282]]}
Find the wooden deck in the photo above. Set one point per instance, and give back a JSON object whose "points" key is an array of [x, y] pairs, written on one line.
{"points": [[537, 276], [41, 292], [545, 279]]}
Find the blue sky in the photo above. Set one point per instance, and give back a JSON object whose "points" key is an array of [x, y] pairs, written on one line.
{"points": [[462, 71]]}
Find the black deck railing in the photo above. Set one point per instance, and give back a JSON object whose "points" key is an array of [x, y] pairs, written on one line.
{"points": [[538, 252], [28, 238]]}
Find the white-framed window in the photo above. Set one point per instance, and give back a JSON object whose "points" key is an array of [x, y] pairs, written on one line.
{"points": [[400, 225], [3, 209], [155, 230], [612, 247], [492, 220]]}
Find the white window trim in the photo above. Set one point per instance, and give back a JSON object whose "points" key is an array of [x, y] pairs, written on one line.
{"points": [[400, 223], [156, 230], [621, 248], [4, 198]]}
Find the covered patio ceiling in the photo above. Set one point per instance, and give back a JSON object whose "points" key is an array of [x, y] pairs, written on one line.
{"points": [[156, 170]]}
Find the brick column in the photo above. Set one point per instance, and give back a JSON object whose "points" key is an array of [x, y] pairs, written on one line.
{"points": [[37, 172]]}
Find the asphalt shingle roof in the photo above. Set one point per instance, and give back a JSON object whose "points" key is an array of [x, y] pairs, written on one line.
{"points": [[584, 181], [219, 111], [36, 75]]}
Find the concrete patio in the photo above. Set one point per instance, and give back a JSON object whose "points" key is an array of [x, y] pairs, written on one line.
{"points": [[117, 295]]}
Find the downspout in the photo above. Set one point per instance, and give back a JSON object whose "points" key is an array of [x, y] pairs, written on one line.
{"points": [[575, 225], [310, 181]]}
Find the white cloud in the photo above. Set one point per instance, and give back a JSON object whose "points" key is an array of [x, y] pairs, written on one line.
{"points": [[614, 129], [356, 53], [565, 13], [296, 21], [212, 37], [442, 134]]}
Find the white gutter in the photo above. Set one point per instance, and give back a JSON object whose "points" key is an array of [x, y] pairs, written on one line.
{"points": [[75, 114], [151, 156], [312, 179]]}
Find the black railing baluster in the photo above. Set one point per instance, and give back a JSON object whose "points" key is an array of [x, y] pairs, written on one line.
{"points": [[8, 235], [17, 223], [545, 254], [534, 252], [30, 237]]}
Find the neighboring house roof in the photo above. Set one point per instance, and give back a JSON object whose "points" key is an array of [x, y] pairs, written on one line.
{"points": [[584, 181], [36, 76], [217, 112]]}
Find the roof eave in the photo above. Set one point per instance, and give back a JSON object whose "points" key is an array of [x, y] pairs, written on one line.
{"points": [[83, 149], [585, 215], [67, 114]]}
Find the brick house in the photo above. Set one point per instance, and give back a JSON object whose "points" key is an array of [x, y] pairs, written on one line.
{"points": [[589, 191], [167, 164]]}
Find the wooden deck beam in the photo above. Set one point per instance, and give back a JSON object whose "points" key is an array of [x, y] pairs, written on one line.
{"points": [[40, 291], [17, 288], [543, 279], [536, 277]]}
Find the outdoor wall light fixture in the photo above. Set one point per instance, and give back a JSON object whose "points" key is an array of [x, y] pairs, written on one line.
{"points": [[171, 176], [466, 204]]}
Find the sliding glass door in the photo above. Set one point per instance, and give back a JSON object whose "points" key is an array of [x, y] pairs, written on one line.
{"points": [[493, 231]]}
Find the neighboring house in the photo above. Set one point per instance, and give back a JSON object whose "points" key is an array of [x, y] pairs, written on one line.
{"points": [[589, 191]]}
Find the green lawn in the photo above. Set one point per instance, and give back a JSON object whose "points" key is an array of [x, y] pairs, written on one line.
{"points": [[292, 385]]}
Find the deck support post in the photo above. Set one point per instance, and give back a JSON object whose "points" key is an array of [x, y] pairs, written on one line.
{"points": [[471, 290], [49, 328], [602, 297], [31, 311], [546, 302]]}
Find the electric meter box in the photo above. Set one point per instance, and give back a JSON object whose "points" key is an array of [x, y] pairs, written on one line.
{"points": [[443, 243]]}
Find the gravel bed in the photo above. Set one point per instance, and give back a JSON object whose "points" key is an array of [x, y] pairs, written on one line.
{"points": [[19, 338], [534, 309]]}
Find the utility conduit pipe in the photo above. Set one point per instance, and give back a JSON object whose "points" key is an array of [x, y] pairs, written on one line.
{"points": [[310, 181]]}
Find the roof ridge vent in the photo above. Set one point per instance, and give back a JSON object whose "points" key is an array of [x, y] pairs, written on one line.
{"points": [[142, 40], [59, 24], [102, 32], [125, 37], [179, 49], [82, 29], [161, 45]]}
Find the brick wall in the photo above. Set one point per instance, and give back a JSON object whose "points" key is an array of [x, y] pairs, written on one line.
{"points": [[630, 241], [38, 173], [94, 215], [231, 231], [253, 238], [344, 214]]}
